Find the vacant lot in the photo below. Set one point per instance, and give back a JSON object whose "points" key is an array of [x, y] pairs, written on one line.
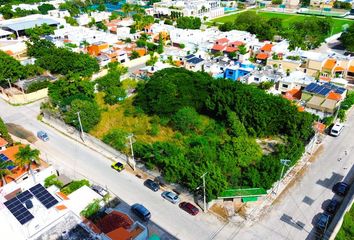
{"points": [[288, 19]]}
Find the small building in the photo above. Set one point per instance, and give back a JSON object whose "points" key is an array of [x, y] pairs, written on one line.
{"points": [[95, 48], [194, 63]]}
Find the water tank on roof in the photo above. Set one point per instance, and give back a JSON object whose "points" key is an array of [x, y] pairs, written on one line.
{"points": [[29, 204]]}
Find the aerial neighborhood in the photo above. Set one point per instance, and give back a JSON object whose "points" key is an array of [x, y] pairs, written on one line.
{"points": [[176, 119]]}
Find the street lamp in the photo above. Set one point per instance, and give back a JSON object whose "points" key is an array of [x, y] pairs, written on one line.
{"points": [[204, 195], [82, 131]]}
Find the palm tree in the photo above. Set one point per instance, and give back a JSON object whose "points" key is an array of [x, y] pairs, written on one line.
{"points": [[26, 156], [4, 171], [126, 8]]}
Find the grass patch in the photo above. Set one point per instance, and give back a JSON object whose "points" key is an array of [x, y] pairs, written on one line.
{"points": [[126, 117], [287, 19]]}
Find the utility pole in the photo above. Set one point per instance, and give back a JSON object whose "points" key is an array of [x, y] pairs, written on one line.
{"points": [[132, 151], [204, 198], [284, 162], [82, 131]]}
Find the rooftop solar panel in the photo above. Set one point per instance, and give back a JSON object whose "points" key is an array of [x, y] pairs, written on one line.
{"points": [[23, 197], [340, 90], [43, 196], [317, 89], [3, 157], [324, 91], [310, 87], [18, 210]]}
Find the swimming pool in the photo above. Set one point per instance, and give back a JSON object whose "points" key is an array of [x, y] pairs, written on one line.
{"points": [[227, 9]]}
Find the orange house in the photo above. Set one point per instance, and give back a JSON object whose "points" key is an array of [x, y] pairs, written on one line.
{"points": [[95, 48]]}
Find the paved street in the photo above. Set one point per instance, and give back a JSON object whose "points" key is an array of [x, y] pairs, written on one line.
{"points": [[66, 153], [291, 217]]}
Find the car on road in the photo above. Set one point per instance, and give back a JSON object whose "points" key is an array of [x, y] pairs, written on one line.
{"points": [[171, 197], [118, 166], [43, 136], [141, 211], [332, 206], [323, 221], [337, 129], [189, 208], [151, 185], [341, 188]]}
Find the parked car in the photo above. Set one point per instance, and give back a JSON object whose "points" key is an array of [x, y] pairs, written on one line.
{"points": [[100, 190], [171, 197], [43, 136], [323, 221], [332, 206], [189, 208], [118, 166], [341, 188], [152, 185], [337, 129], [141, 211]]}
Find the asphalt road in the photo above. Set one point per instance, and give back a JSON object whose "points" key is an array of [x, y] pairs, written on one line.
{"points": [[292, 217], [75, 158]]}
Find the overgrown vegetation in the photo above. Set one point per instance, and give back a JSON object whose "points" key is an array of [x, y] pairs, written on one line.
{"points": [[74, 185], [35, 86], [61, 60], [4, 133], [346, 105], [216, 124], [53, 180], [347, 38], [189, 22], [91, 209], [347, 229]]}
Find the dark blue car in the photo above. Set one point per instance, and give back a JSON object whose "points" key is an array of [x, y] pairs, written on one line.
{"points": [[141, 211]]}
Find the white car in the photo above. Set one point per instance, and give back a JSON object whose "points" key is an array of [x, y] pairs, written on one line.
{"points": [[337, 129], [171, 197]]}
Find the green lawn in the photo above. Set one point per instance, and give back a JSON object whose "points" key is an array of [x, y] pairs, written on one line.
{"points": [[287, 19]]}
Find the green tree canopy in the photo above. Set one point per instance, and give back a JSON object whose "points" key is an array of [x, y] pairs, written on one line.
{"points": [[90, 114], [347, 38]]}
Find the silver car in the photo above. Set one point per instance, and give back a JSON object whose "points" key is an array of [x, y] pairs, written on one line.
{"points": [[171, 197]]}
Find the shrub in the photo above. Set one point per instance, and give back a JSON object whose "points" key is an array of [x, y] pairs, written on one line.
{"points": [[117, 138], [52, 180], [35, 86], [74, 185], [91, 209]]}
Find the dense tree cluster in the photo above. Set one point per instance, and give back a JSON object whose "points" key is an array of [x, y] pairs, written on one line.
{"points": [[44, 8], [112, 87], [347, 38], [12, 70], [189, 22], [342, 5], [72, 95], [7, 12], [61, 60], [307, 34], [220, 121]]}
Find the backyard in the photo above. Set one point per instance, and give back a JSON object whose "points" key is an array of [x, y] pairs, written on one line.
{"points": [[287, 19]]}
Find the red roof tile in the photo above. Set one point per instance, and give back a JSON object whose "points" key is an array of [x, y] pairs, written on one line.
{"points": [[267, 47], [262, 56], [237, 43], [351, 69], [338, 69], [217, 47], [231, 49], [329, 64], [222, 40]]}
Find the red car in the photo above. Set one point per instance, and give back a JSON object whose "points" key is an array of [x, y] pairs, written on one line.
{"points": [[189, 208]]}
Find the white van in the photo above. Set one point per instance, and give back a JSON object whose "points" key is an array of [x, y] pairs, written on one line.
{"points": [[337, 129]]}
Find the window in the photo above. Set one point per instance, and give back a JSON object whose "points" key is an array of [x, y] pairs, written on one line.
{"points": [[285, 85]]}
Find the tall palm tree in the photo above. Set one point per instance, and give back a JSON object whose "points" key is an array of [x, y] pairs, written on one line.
{"points": [[126, 8], [26, 156], [4, 171]]}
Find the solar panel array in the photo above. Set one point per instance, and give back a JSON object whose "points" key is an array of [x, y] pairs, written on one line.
{"points": [[4, 158], [324, 89], [43, 196], [18, 210]]}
